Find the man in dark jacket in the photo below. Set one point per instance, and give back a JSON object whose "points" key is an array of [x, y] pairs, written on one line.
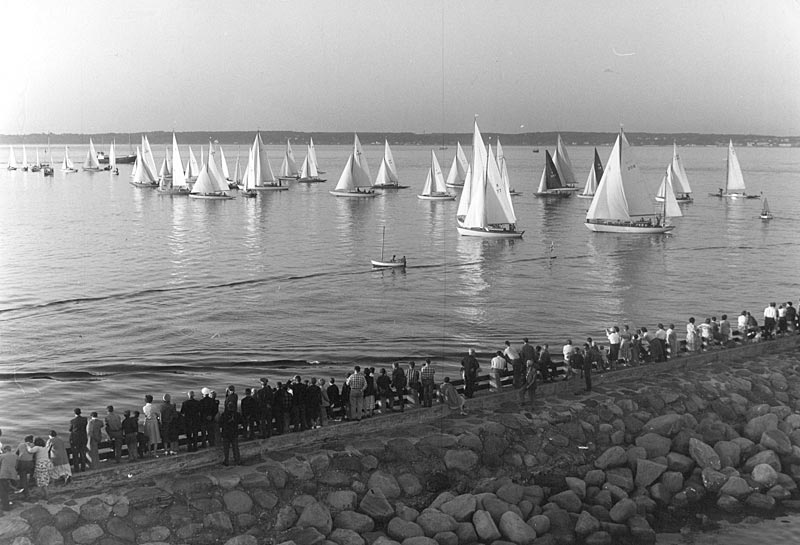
{"points": [[265, 397], [190, 409], [333, 396], [230, 422], [249, 414], [469, 370], [208, 414], [77, 441]]}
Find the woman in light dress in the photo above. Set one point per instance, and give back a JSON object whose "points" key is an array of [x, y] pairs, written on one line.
{"points": [[152, 425], [692, 337], [59, 457], [625, 338], [42, 465]]}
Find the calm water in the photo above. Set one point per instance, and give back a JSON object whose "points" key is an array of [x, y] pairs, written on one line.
{"points": [[108, 292]]}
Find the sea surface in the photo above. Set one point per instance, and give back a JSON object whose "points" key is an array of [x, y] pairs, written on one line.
{"points": [[109, 292]]}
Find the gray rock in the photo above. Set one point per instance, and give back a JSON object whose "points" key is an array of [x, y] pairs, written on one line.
{"points": [[343, 536], [237, 501], [410, 484], [48, 535], [595, 477], [466, 533], [303, 536], [764, 457], [616, 492], [666, 425], [446, 538], [746, 447], [778, 441], [713, 480], [729, 453], [765, 475], [576, 485], [383, 540], [756, 427], [513, 528], [405, 512], [65, 519], [441, 499], [421, 540], [342, 500], [299, 469], [759, 501], [460, 508], [612, 457], [433, 521], [87, 533], [599, 538], [385, 482], [37, 516], [117, 527], [350, 520], [568, 501], [286, 518], [680, 463], [540, 523], [779, 493], [604, 499], [463, 460], [316, 515], [485, 527], [623, 510], [263, 498], [586, 524], [621, 477], [647, 472], [156, 534], [375, 504], [729, 504], [511, 493], [660, 493], [244, 539], [220, 521], [640, 529], [704, 455], [95, 510], [654, 444], [400, 529]]}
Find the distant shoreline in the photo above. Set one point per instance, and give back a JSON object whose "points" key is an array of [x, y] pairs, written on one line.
{"points": [[533, 139]]}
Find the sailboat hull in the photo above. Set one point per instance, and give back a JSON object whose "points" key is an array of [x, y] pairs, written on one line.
{"points": [[352, 194], [461, 185], [377, 264], [389, 186], [582, 196], [271, 188], [144, 184], [174, 191], [560, 193], [628, 228], [489, 232], [733, 196], [679, 198], [312, 180], [208, 196], [444, 197]]}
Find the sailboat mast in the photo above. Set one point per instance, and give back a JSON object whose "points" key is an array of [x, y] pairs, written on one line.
{"points": [[383, 240]]}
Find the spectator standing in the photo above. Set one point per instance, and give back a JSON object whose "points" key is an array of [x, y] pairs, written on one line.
{"points": [[469, 372], [230, 422], [114, 431], [498, 365], [265, 398], [333, 396], [25, 466], [94, 430], [356, 382], [192, 417], [78, 440], [384, 386], [8, 475], [169, 424], [399, 384], [130, 429], [512, 357], [414, 383], [250, 411], [427, 377], [369, 393]]}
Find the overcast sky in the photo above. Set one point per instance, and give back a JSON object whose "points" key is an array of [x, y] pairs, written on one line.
{"points": [[401, 65]]}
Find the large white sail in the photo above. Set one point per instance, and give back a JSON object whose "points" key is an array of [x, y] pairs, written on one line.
{"points": [[550, 178], [249, 177], [347, 180], [192, 168], [680, 179], [214, 172], [147, 159], [25, 164], [290, 160], [237, 172], [264, 175], [360, 161], [388, 158], [309, 168], [312, 151], [497, 194], [112, 156], [466, 195], [595, 174], [205, 184], [563, 164], [91, 162], [223, 163], [458, 169], [735, 179], [67, 163], [178, 176], [384, 176], [434, 183], [671, 207], [12, 160]]}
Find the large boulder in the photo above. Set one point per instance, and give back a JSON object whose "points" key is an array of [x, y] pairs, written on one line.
{"points": [[704, 455], [765, 475], [461, 507], [586, 524], [513, 528], [647, 472], [375, 504], [400, 529], [433, 521], [485, 527], [665, 425], [776, 440], [386, 483], [729, 453], [463, 460], [756, 427], [350, 520], [568, 501], [763, 457], [623, 510], [612, 457], [655, 445]]}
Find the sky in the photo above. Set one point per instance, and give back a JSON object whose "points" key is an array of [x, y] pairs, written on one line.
{"points": [[714, 66]]}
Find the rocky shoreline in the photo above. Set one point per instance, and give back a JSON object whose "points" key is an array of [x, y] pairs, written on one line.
{"points": [[719, 431]]}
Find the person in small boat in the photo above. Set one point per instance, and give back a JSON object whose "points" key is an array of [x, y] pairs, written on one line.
{"points": [[394, 258]]}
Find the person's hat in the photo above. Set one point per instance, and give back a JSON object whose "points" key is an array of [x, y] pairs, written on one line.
{"points": [[525, 339], [205, 391], [264, 380]]}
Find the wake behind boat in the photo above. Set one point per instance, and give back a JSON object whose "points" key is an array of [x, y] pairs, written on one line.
{"points": [[622, 203], [734, 179]]}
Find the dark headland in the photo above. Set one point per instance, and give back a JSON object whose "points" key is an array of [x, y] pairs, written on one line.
{"points": [[650, 448]]}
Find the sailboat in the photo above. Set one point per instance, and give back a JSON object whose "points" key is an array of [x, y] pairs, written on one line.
{"points": [[192, 168], [501, 164], [595, 175], [141, 176], [435, 188], [564, 166], [112, 158], [313, 151], [289, 170], [176, 183], [91, 163], [25, 165], [37, 166], [622, 203], [148, 161], [264, 178], [485, 202], [47, 168], [165, 171], [355, 179], [387, 173], [309, 174], [550, 184], [683, 191], [12, 160], [734, 180], [458, 170], [246, 182], [128, 159], [765, 213], [210, 184], [382, 263], [67, 165]]}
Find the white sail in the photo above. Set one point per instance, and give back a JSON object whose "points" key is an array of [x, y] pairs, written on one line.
{"points": [[384, 174], [622, 194], [290, 160], [249, 176], [466, 195], [500, 194], [360, 161], [112, 156], [312, 151], [67, 164], [458, 169], [237, 172], [595, 174], [563, 164], [91, 162], [12, 160], [680, 179], [735, 179], [178, 176], [309, 168], [347, 180], [214, 172], [140, 174], [205, 183], [192, 168], [671, 207], [224, 164], [38, 162], [25, 164], [765, 208], [264, 174], [501, 165], [148, 161], [389, 159]]}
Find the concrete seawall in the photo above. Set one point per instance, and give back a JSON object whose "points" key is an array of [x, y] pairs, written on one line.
{"points": [[576, 468]]}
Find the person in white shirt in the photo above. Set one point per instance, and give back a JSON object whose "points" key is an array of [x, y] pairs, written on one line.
{"points": [[770, 316], [512, 356], [672, 341], [613, 342], [567, 351], [498, 364], [741, 325]]}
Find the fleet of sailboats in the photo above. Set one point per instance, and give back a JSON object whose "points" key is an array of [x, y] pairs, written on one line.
{"points": [[550, 184], [176, 183], [210, 183], [485, 208], [263, 176], [435, 188], [595, 174], [623, 203]]}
